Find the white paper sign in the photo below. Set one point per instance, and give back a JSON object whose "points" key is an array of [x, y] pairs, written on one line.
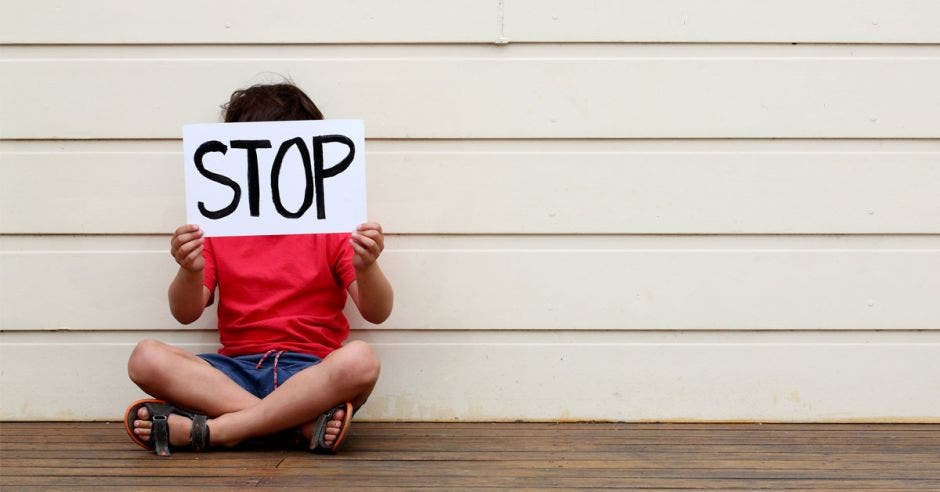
{"points": [[285, 177]]}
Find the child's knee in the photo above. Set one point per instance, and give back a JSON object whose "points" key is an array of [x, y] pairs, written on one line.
{"points": [[144, 364], [360, 364]]}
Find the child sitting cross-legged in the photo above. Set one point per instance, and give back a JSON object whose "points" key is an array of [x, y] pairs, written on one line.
{"points": [[283, 364]]}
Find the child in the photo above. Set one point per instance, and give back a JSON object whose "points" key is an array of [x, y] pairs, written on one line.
{"points": [[281, 325]]}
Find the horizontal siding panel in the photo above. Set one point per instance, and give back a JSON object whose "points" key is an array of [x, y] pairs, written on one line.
{"points": [[494, 98], [438, 380], [244, 21], [501, 192], [374, 21], [723, 21], [526, 289], [451, 51], [27, 243]]}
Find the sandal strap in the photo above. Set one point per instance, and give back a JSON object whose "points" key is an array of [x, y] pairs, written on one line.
{"points": [[160, 433], [199, 433], [319, 431], [164, 409]]}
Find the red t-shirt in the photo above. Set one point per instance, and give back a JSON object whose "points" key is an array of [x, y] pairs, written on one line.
{"points": [[280, 292]]}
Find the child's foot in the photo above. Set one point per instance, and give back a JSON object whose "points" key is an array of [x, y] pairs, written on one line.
{"points": [[179, 427], [333, 427]]}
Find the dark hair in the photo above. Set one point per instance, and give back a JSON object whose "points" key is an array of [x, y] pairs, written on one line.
{"points": [[270, 102]]}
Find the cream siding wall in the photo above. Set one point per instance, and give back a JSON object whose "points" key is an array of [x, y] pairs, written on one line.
{"points": [[603, 210]]}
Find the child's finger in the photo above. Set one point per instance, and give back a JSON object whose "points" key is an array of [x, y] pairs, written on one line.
{"points": [[185, 228], [366, 242], [191, 257], [181, 239], [372, 250], [375, 236], [187, 248], [362, 252], [370, 226]]}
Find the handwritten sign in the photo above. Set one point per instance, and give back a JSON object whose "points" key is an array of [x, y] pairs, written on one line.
{"points": [[285, 177]]}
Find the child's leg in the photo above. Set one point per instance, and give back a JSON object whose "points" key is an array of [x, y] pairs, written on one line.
{"points": [[347, 374], [179, 377]]}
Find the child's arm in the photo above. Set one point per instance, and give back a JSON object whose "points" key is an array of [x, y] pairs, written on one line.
{"points": [[188, 296], [371, 291]]}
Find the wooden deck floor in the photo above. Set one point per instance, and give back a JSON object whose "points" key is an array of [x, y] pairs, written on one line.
{"points": [[524, 455]]}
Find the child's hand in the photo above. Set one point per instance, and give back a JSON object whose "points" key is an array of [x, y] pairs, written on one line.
{"points": [[186, 247], [368, 243]]}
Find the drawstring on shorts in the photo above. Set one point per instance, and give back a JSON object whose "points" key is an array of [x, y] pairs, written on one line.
{"points": [[277, 356]]}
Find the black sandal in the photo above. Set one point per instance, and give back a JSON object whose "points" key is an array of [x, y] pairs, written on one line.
{"points": [[159, 440]]}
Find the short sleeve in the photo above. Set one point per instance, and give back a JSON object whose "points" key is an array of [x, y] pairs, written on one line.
{"points": [[343, 260], [209, 275]]}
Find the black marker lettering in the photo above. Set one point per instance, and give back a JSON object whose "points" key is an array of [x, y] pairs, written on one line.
{"points": [[321, 173], [205, 148], [252, 147], [276, 175]]}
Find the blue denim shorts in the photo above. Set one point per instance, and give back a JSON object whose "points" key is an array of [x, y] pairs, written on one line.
{"points": [[260, 374]]}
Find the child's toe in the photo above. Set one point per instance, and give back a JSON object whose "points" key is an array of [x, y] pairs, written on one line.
{"points": [[142, 424]]}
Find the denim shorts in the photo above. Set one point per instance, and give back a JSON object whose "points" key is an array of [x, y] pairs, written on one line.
{"points": [[260, 374]]}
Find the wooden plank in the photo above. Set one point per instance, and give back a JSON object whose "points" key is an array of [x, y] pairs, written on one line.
{"points": [[503, 455], [582, 428], [549, 97], [720, 377], [468, 469], [728, 21], [64, 432], [242, 21], [499, 192], [130, 481], [39, 436], [738, 289], [866, 429], [688, 456], [925, 432], [136, 471], [79, 466], [427, 451], [355, 480], [912, 468], [476, 479], [608, 438]]}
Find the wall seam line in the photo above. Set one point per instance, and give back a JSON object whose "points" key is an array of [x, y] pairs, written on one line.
{"points": [[501, 23]]}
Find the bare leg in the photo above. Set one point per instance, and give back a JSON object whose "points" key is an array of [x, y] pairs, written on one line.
{"points": [[175, 375], [347, 374], [178, 376]]}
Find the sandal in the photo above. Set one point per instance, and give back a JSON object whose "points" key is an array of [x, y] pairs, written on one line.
{"points": [[159, 440], [317, 442]]}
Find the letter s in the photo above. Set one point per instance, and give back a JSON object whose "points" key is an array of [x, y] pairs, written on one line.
{"points": [[205, 148]]}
